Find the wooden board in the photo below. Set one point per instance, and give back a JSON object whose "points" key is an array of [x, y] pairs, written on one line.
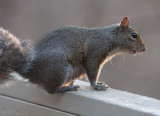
{"points": [[86, 101]]}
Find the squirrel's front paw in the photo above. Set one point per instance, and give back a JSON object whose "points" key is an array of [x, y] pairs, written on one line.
{"points": [[102, 83], [101, 86]]}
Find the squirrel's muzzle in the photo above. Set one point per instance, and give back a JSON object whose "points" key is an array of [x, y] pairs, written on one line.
{"points": [[143, 47], [140, 48]]}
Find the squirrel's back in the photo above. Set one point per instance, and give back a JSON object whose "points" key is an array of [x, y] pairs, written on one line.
{"points": [[66, 36], [73, 40]]}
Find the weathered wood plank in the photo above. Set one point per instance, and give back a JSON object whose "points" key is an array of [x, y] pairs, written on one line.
{"points": [[87, 102], [14, 107]]}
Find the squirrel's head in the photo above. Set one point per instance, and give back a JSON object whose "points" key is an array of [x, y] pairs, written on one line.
{"points": [[130, 38]]}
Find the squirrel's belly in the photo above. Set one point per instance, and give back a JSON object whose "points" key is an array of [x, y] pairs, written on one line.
{"points": [[75, 73]]}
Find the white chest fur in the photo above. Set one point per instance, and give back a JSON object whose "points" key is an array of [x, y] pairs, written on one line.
{"points": [[111, 54]]}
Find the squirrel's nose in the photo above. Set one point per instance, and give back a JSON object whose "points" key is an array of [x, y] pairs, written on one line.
{"points": [[144, 48]]}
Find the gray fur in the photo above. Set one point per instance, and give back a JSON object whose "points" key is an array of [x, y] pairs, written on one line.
{"points": [[67, 53]]}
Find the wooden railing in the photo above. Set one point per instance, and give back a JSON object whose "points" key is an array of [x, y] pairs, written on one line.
{"points": [[21, 99]]}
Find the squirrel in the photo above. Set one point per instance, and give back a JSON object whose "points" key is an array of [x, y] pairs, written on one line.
{"points": [[67, 53]]}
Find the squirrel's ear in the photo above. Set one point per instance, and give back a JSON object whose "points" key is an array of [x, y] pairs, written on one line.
{"points": [[125, 22]]}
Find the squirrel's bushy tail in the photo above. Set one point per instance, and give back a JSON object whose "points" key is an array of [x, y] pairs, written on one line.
{"points": [[14, 54]]}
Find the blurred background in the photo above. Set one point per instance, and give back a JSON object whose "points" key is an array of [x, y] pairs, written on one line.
{"points": [[30, 19]]}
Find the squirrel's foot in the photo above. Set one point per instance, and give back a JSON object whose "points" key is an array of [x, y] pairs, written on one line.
{"points": [[73, 88], [67, 88], [100, 86]]}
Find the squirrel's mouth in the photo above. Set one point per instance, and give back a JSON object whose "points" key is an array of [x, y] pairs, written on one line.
{"points": [[137, 50], [133, 51]]}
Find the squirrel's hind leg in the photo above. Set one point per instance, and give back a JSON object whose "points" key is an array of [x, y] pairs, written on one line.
{"points": [[57, 83]]}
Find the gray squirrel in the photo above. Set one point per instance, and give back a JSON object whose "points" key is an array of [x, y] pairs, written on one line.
{"points": [[67, 53]]}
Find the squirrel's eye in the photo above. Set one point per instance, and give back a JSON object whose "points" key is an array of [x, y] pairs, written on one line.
{"points": [[134, 35]]}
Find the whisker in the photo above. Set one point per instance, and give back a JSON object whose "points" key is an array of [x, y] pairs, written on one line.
{"points": [[111, 62], [123, 58], [146, 43]]}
